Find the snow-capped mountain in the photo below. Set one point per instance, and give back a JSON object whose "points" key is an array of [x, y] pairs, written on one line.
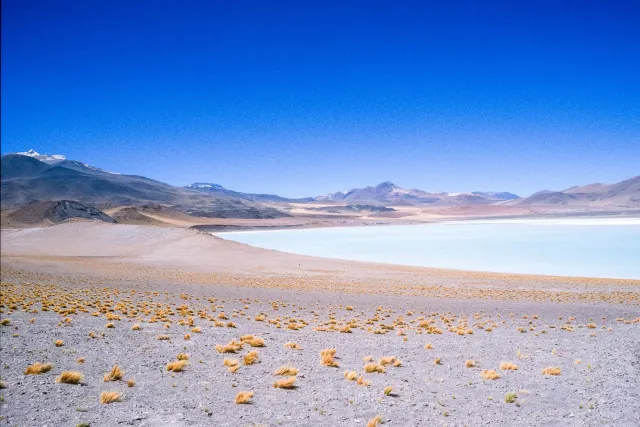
{"points": [[210, 188], [60, 160]]}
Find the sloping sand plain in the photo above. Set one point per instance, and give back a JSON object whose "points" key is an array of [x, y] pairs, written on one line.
{"points": [[138, 296]]}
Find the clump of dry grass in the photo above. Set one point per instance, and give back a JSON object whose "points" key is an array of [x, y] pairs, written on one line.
{"points": [[362, 381], [489, 374], [374, 367], [375, 422], [131, 383], [577, 361], [187, 337], [437, 361], [388, 390], [182, 356], [367, 359], [5, 322], [286, 370], [232, 347], [551, 370], [177, 366], [114, 374], [292, 345], [286, 383], [136, 327], [470, 363], [327, 357], [70, 377], [163, 337], [387, 360], [351, 375], [510, 397], [252, 341], [508, 366], [38, 368], [58, 343], [250, 358], [230, 362], [244, 397], [428, 346], [110, 397], [196, 330], [80, 360], [110, 325]]}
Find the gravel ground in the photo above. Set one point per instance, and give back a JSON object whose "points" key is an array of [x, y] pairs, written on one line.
{"points": [[604, 389]]}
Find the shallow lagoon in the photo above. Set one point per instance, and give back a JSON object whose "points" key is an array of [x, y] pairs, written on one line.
{"points": [[593, 247]]}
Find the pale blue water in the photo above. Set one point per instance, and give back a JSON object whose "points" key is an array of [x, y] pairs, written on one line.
{"points": [[591, 247]]}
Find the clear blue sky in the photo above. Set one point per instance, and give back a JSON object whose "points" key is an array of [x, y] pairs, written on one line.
{"points": [[301, 98]]}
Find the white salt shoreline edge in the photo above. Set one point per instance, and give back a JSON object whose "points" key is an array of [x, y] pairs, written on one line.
{"points": [[597, 221]]}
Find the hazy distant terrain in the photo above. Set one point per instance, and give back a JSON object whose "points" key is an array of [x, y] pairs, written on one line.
{"points": [[30, 177]]}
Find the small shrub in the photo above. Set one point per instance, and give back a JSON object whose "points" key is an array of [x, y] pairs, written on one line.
{"points": [[243, 397], [110, 397]]}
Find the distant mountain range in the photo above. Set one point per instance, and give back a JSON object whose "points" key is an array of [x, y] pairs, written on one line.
{"points": [[32, 177], [389, 193], [622, 194], [216, 189]]}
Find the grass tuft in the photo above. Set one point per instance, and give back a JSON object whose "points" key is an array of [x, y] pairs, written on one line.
{"points": [[114, 374], [287, 370], [70, 377], [551, 370], [177, 366], [470, 363], [286, 383], [250, 358], [489, 374], [375, 422], [510, 397], [508, 366], [38, 368], [243, 397], [110, 397]]}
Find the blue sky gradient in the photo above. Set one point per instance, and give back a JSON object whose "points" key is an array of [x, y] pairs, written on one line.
{"points": [[303, 98]]}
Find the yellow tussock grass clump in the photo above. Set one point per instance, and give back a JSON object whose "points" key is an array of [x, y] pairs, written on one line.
{"points": [[58, 343], [5, 322], [255, 342], [287, 370], [233, 369], [110, 397], [397, 363], [489, 374], [387, 390], [286, 383], [38, 368], [110, 325], [470, 363], [187, 337], [80, 360], [327, 357], [577, 361], [374, 367], [349, 308], [508, 366], [551, 370], [232, 347], [367, 359], [250, 358], [243, 397], [131, 383], [437, 361], [351, 375], [293, 345], [163, 337], [387, 360], [375, 422], [136, 327], [362, 381], [196, 330], [182, 356], [69, 377], [177, 366], [114, 374], [428, 346], [230, 362]]}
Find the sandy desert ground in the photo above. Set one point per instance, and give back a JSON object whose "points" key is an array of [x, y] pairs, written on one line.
{"points": [[140, 297]]}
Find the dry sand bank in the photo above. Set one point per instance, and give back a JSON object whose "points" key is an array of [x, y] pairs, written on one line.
{"points": [[70, 281]]}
